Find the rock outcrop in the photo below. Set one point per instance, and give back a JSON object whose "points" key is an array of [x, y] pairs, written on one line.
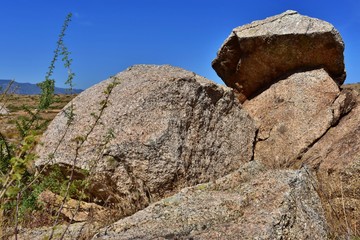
{"points": [[163, 128], [250, 203], [258, 54], [283, 66], [180, 157]]}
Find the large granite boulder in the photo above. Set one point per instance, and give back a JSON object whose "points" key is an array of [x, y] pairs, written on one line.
{"points": [[148, 132], [258, 54], [250, 203], [293, 114]]}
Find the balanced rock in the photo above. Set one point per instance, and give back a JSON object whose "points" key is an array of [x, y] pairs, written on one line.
{"points": [[256, 55], [148, 132], [293, 114], [336, 160], [250, 203]]}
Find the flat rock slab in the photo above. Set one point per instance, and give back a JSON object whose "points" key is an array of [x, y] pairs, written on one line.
{"points": [[71, 232], [256, 55], [293, 114], [251, 203], [164, 128]]}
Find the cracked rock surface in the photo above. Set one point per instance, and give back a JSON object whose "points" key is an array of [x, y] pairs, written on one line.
{"points": [[293, 114], [250, 203], [257, 54], [163, 129]]}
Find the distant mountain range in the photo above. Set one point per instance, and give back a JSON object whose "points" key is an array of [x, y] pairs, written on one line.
{"points": [[30, 89]]}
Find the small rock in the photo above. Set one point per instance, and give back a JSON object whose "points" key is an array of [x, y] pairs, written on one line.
{"points": [[3, 110], [75, 210]]}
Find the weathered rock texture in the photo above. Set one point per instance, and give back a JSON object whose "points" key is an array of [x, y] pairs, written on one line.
{"points": [[164, 128], [256, 55], [71, 232], [293, 114], [250, 203], [336, 159]]}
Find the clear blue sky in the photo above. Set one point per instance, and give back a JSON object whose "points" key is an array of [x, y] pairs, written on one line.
{"points": [[107, 36]]}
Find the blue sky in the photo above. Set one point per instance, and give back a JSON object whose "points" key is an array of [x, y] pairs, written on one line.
{"points": [[107, 36]]}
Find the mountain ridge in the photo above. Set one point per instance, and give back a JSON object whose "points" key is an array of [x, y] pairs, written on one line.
{"points": [[30, 88]]}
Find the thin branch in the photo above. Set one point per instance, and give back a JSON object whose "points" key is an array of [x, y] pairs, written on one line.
{"points": [[104, 105]]}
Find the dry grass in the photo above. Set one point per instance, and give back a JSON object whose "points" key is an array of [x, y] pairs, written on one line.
{"points": [[341, 202], [15, 104], [354, 86]]}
